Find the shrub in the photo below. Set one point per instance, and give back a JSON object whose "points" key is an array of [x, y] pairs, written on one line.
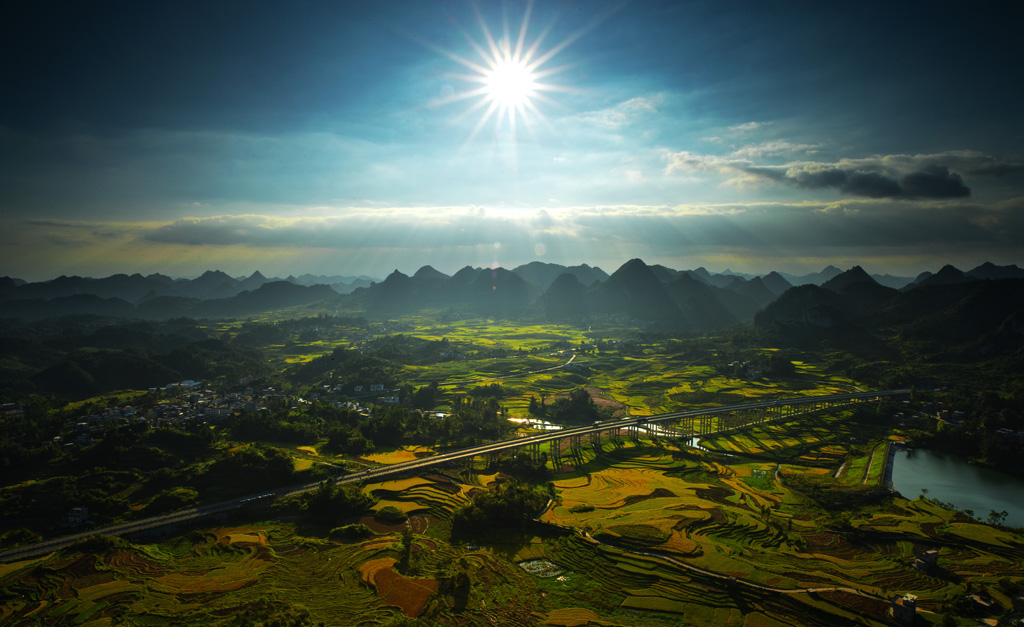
{"points": [[356, 531], [390, 514], [581, 508]]}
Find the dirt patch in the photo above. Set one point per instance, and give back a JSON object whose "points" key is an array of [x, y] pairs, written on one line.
{"points": [[380, 528], [408, 594], [657, 493], [714, 494], [604, 402], [447, 486], [862, 605]]}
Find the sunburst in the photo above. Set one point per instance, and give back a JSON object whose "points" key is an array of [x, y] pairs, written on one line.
{"points": [[508, 78]]}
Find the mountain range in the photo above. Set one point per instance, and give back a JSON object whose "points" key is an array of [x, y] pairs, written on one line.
{"points": [[695, 300]]}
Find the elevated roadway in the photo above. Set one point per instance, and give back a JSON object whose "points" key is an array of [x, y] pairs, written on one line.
{"points": [[773, 409]]}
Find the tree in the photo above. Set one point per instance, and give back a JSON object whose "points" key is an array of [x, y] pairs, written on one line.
{"points": [[332, 502], [407, 541], [997, 518], [510, 504]]}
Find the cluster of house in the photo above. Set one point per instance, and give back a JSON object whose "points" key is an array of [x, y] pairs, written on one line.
{"points": [[192, 401], [85, 427], [745, 369], [957, 418], [375, 390], [903, 607]]}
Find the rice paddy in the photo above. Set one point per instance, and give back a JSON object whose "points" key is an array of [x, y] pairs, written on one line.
{"points": [[639, 535], [643, 531]]}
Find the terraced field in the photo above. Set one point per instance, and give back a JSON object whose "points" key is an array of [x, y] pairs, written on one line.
{"points": [[664, 530]]}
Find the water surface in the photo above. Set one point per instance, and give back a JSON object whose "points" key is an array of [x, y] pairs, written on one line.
{"points": [[952, 480]]}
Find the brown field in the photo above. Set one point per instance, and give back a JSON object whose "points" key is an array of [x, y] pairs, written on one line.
{"points": [[409, 594]]}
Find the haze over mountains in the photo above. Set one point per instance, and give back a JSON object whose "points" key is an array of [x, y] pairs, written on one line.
{"points": [[694, 300]]}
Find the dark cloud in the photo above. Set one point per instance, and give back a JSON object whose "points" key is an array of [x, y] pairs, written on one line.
{"points": [[821, 177], [871, 185], [932, 181]]}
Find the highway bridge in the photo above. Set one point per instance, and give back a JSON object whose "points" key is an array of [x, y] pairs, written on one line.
{"points": [[685, 423]]}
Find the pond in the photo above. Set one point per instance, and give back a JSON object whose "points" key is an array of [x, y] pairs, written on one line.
{"points": [[952, 480]]}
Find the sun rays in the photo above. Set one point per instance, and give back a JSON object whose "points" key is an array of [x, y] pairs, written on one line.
{"points": [[507, 78]]}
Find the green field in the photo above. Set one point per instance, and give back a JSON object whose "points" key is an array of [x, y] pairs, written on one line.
{"points": [[642, 530], [663, 529]]}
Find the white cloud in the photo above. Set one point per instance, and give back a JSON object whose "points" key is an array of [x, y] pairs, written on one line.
{"points": [[747, 126], [771, 148], [622, 114]]}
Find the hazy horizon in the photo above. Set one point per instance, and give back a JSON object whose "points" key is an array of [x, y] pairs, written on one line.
{"points": [[409, 271]]}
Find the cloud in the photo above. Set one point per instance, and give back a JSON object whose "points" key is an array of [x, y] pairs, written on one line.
{"points": [[375, 241], [771, 148], [934, 182], [353, 229], [748, 126], [891, 176], [623, 113]]}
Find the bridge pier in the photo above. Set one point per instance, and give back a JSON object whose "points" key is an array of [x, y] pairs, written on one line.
{"points": [[534, 451], [575, 444]]}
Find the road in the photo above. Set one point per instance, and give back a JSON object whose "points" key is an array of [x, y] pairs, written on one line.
{"points": [[382, 472]]}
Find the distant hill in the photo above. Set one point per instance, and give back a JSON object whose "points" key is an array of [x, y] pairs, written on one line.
{"points": [[895, 282], [776, 282], [814, 278], [855, 274], [635, 290], [565, 298], [703, 306], [954, 312], [135, 288], [948, 275], [483, 291], [269, 296], [692, 299], [807, 315], [544, 274], [990, 271]]}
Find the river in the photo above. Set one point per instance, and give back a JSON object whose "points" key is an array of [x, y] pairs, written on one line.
{"points": [[952, 480]]}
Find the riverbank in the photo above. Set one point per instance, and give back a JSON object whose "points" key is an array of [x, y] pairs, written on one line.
{"points": [[950, 479]]}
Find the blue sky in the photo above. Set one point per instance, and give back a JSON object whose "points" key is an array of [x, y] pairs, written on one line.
{"points": [[344, 138]]}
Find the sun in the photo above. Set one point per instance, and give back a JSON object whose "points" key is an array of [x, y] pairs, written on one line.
{"points": [[508, 78], [510, 83]]}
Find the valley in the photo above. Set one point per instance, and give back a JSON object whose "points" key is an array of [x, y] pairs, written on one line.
{"points": [[638, 520]]}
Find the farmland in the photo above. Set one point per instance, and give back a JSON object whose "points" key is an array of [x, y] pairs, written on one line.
{"points": [[642, 533], [782, 523]]}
